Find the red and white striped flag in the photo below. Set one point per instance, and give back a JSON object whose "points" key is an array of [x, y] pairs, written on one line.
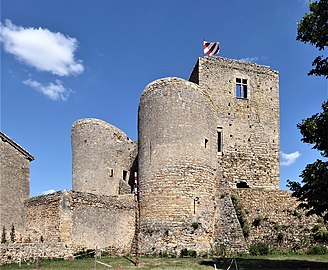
{"points": [[211, 48]]}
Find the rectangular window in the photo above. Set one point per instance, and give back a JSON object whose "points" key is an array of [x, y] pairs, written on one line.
{"points": [[241, 88], [206, 142], [219, 132]]}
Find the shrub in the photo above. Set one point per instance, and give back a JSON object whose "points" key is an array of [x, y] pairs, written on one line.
{"points": [[188, 253], [281, 237], [259, 249], [320, 233], [317, 250], [246, 231], [3, 235], [12, 234], [219, 250], [257, 221]]}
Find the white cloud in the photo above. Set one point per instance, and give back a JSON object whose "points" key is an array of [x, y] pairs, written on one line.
{"points": [[54, 91], [249, 59], [41, 48], [46, 192], [288, 159]]}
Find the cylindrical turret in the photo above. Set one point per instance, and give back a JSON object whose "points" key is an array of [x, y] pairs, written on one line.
{"points": [[177, 163], [102, 157]]}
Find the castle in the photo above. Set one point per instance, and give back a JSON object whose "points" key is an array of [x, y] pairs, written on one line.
{"points": [[199, 141]]}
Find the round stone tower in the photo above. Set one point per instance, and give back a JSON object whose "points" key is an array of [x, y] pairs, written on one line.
{"points": [[102, 157], [177, 166]]}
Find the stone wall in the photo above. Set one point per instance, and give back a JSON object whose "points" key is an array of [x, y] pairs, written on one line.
{"points": [[273, 218], [250, 126], [43, 218], [105, 221], [81, 220], [14, 184], [102, 157]]}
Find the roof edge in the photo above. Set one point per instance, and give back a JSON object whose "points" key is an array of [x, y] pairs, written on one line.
{"points": [[7, 139]]}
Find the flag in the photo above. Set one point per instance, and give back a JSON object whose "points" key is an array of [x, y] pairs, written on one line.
{"points": [[211, 48]]}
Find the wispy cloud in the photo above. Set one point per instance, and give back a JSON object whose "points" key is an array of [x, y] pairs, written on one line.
{"points": [[54, 91], [250, 59], [41, 48], [288, 159], [46, 192]]}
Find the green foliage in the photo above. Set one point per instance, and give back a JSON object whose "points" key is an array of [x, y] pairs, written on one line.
{"points": [[313, 29], [219, 251], [241, 215], [313, 192], [188, 253], [258, 221], [12, 234], [3, 235], [281, 237], [320, 233], [314, 130], [259, 249], [317, 250]]}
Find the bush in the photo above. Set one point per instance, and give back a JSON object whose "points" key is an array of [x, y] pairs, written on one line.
{"points": [[320, 234], [317, 250], [219, 250], [259, 249], [257, 221], [188, 253]]}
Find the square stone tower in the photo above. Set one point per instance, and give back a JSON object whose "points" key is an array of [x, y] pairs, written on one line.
{"points": [[245, 97]]}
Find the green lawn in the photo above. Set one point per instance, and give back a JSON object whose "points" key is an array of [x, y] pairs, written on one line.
{"points": [[278, 262]]}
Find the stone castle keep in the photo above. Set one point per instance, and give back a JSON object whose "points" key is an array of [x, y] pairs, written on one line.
{"points": [[199, 141]]}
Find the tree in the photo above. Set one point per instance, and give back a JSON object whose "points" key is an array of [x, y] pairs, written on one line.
{"points": [[313, 193], [3, 235], [12, 234], [313, 29]]}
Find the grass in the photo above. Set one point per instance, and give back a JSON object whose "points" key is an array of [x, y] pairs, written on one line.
{"points": [[277, 262]]}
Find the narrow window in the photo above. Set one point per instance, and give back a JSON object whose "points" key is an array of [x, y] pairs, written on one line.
{"points": [[219, 132], [241, 88], [125, 173], [206, 142], [149, 152], [111, 172]]}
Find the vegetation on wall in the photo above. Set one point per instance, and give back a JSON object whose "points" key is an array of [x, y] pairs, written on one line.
{"points": [[241, 215]]}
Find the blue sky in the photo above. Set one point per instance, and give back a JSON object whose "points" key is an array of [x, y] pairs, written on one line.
{"points": [[69, 59]]}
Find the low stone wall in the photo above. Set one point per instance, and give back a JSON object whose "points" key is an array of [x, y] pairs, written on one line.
{"points": [[273, 218], [103, 221], [26, 252], [66, 222]]}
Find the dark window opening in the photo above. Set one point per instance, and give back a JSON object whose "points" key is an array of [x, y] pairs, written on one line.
{"points": [[206, 142], [111, 172], [241, 88], [219, 133], [149, 152], [125, 173], [242, 184]]}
